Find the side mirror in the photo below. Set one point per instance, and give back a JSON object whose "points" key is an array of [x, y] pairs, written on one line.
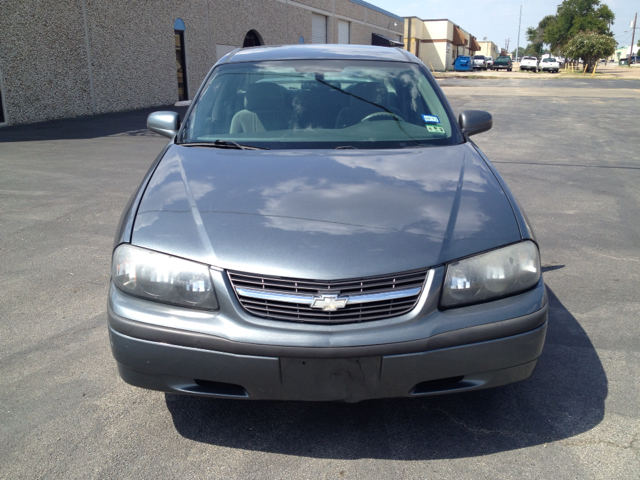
{"points": [[166, 124], [475, 121]]}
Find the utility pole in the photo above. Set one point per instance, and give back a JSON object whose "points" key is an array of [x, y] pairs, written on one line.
{"points": [[633, 37], [519, 25]]}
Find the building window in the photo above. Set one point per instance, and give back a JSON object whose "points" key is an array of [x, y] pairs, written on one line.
{"points": [[252, 39], [318, 28], [181, 59], [343, 32]]}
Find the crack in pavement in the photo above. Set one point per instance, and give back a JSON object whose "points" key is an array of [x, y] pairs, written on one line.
{"points": [[484, 431]]}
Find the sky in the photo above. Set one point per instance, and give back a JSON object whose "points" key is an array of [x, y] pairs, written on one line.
{"points": [[498, 19]]}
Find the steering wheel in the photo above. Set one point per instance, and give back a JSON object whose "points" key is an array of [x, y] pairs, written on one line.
{"points": [[377, 115]]}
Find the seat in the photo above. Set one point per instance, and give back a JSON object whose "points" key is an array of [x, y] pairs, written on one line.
{"points": [[367, 98], [317, 105], [264, 110]]}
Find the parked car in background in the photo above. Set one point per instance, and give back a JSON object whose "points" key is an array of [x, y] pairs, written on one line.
{"points": [[321, 227], [549, 64], [479, 62], [529, 63], [628, 61], [489, 61], [503, 61]]}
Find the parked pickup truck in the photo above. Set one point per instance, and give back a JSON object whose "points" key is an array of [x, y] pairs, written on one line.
{"points": [[479, 62], [529, 63], [549, 65], [503, 61]]}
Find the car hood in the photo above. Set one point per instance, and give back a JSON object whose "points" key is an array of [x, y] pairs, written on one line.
{"points": [[324, 214]]}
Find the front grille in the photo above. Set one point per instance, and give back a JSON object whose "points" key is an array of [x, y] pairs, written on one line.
{"points": [[302, 312]]}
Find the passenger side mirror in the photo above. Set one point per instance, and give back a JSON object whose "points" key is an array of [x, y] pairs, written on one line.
{"points": [[166, 124], [475, 121]]}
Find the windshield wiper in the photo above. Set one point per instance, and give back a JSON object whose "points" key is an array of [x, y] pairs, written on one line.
{"points": [[419, 145], [223, 144], [345, 147]]}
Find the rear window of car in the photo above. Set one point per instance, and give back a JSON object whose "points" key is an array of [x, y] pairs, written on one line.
{"points": [[549, 60], [479, 57], [317, 104], [503, 58]]}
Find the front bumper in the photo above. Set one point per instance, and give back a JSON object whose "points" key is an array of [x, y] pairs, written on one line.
{"points": [[177, 369], [422, 353]]}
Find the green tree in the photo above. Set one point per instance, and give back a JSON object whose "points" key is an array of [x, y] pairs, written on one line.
{"points": [[535, 46], [519, 52], [534, 50], [574, 16], [590, 46], [535, 35]]}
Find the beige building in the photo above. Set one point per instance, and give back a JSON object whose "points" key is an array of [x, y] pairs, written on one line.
{"points": [[68, 58], [437, 42], [488, 49]]}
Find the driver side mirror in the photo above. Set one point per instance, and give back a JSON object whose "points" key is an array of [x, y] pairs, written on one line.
{"points": [[166, 124], [475, 121]]}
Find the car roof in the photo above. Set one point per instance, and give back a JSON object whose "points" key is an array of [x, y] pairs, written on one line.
{"points": [[324, 51]]}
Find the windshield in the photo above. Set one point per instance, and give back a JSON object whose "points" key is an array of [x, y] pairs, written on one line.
{"points": [[549, 60], [320, 104]]}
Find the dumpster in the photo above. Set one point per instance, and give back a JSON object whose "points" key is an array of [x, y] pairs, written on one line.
{"points": [[463, 64]]}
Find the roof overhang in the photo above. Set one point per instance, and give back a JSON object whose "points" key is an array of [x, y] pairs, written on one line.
{"points": [[473, 45], [382, 41], [458, 36]]}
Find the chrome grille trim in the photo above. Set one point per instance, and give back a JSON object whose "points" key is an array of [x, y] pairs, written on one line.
{"points": [[308, 299], [371, 298]]}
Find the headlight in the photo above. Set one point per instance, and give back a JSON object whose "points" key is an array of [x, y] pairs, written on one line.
{"points": [[163, 278], [492, 275]]}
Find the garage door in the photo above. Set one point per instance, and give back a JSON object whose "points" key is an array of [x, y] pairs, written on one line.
{"points": [[318, 28], [343, 31]]}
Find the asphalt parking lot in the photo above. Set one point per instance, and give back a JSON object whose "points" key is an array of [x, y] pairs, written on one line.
{"points": [[572, 160]]}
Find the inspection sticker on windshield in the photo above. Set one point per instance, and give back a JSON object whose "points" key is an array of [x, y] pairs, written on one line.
{"points": [[430, 119], [435, 129]]}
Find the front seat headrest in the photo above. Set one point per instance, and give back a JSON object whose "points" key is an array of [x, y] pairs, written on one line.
{"points": [[374, 92], [264, 96]]}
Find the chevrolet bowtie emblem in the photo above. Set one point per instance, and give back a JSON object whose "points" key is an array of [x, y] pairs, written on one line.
{"points": [[329, 303]]}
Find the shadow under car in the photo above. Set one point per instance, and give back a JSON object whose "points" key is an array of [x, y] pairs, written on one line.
{"points": [[564, 397]]}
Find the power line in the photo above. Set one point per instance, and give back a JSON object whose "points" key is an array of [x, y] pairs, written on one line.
{"points": [[624, 39], [623, 34]]}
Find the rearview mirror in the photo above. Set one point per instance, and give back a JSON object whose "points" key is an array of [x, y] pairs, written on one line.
{"points": [[166, 124], [475, 121]]}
